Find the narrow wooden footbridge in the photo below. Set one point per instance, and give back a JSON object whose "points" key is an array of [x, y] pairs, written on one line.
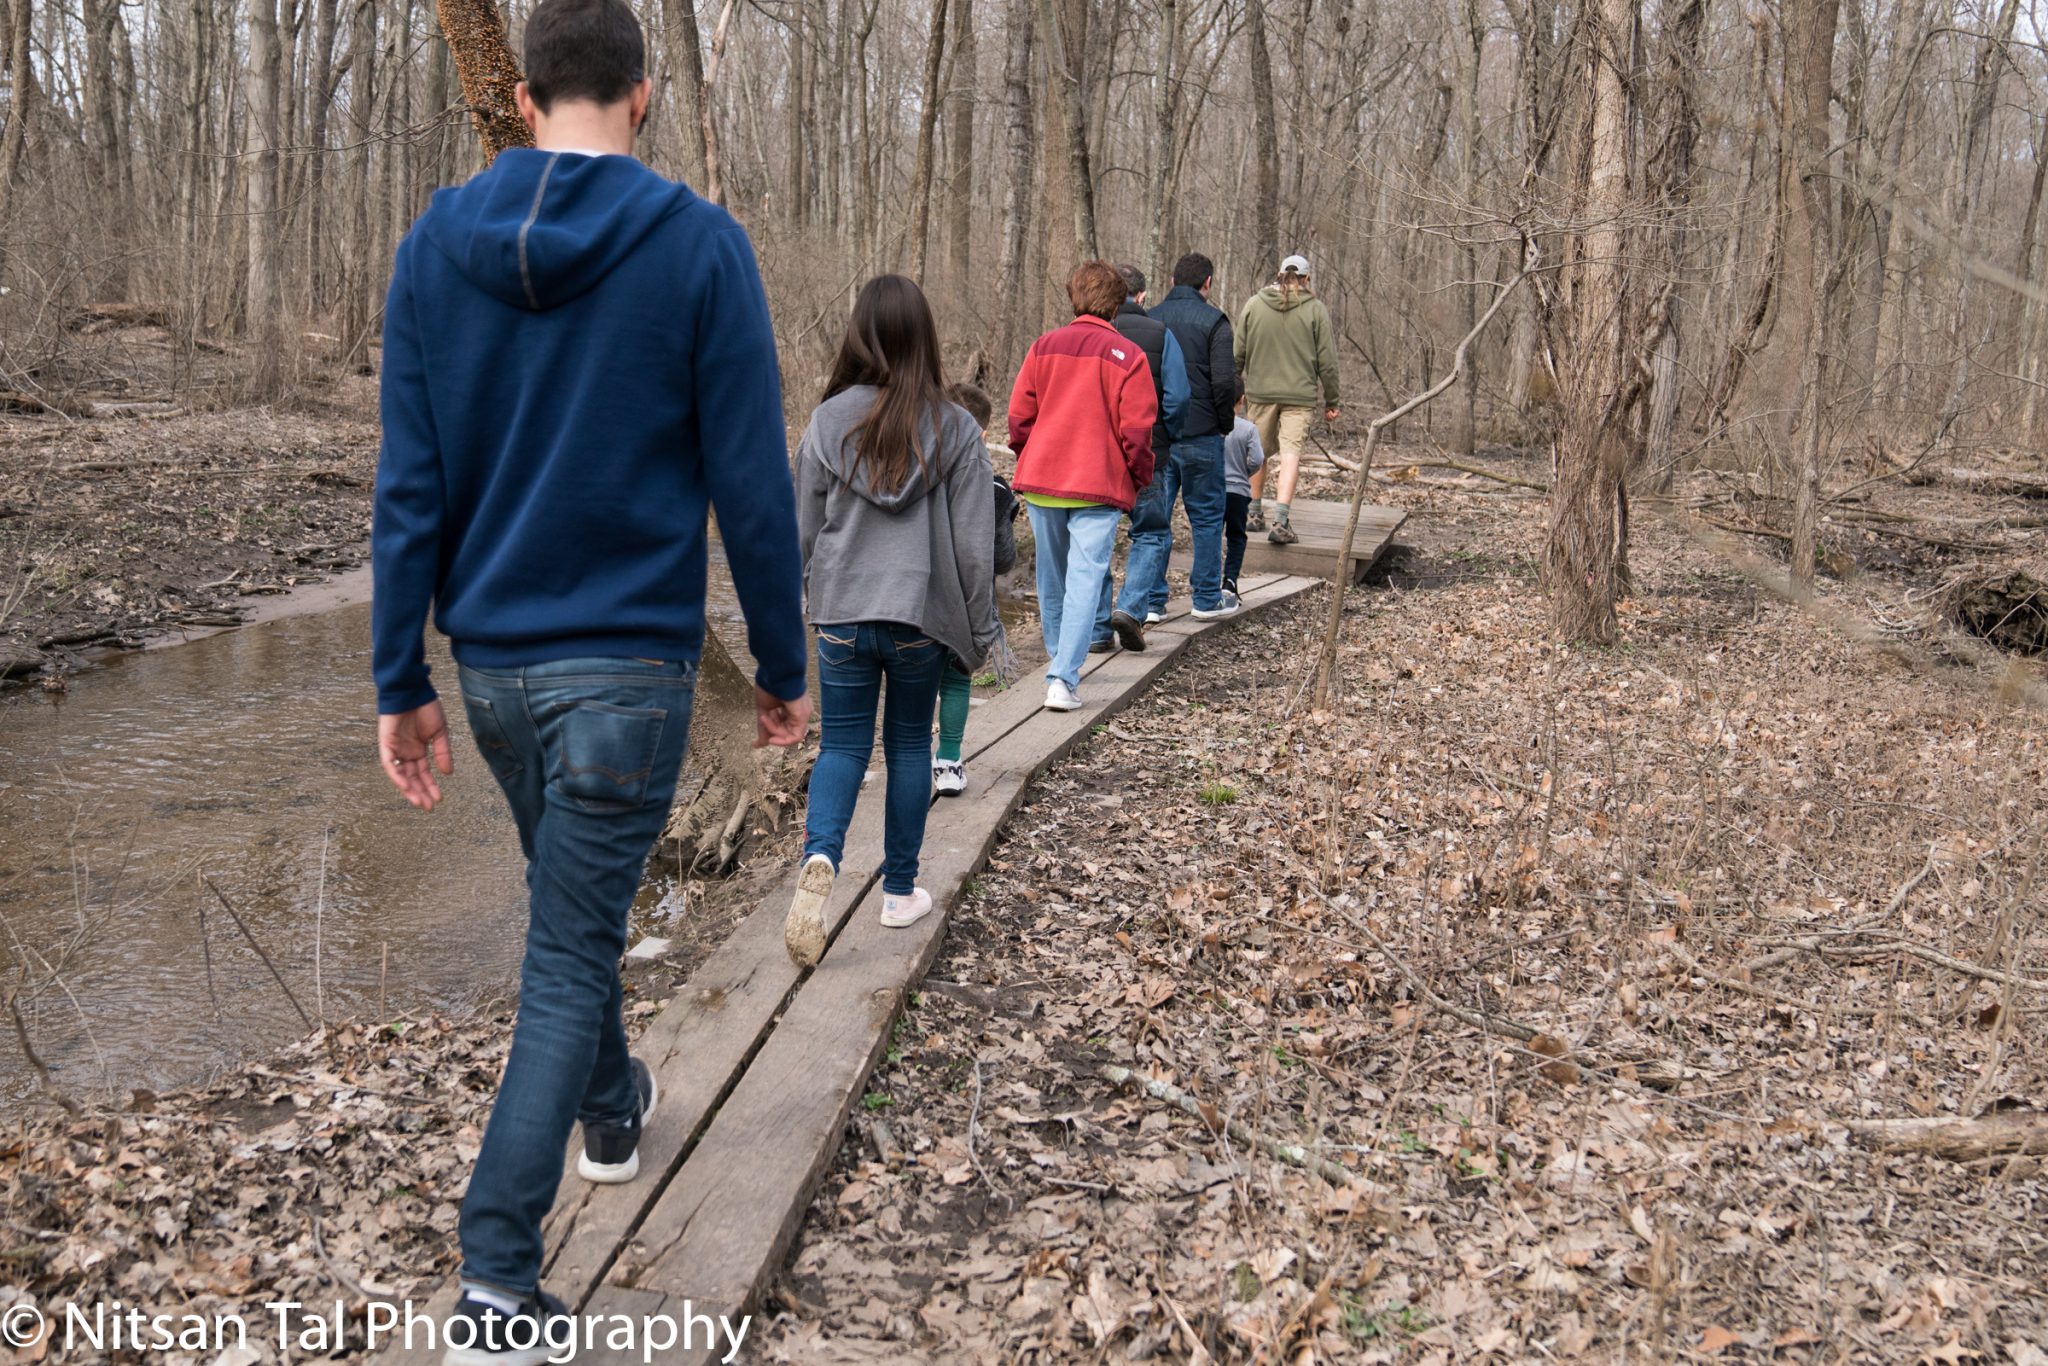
{"points": [[760, 1064]]}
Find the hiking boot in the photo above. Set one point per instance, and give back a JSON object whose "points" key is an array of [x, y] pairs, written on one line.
{"points": [[494, 1328], [1130, 632], [1226, 606], [611, 1152], [1282, 534], [899, 911], [1060, 697], [1102, 646], [1255, 517], [949, 777], [803, 932]]}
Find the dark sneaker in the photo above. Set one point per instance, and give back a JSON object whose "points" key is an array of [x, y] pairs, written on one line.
{"points": [[492, 1328], [1130, 632], [1103, 646], [1282, 534], [611, 1152], [1255, 518], [1230, 587]]}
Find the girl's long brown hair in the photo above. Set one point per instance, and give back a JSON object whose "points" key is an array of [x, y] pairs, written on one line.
{"points": [[892, 343]]}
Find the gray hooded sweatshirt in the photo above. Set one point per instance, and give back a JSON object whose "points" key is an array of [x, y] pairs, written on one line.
{"points": [[923, 556]]}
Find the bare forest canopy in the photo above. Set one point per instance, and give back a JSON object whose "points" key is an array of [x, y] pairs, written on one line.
{"points": [[1801, 238]]}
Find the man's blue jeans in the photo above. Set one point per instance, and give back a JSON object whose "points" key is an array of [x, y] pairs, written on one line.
{"points": [[587, 752], [1074, 545], [852, 662], [1194, 472]]}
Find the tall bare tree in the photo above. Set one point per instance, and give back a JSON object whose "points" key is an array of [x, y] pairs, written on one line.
{"points": [[927, 125]]}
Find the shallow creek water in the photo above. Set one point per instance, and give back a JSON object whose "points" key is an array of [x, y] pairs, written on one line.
{"points": [[248, 759]]}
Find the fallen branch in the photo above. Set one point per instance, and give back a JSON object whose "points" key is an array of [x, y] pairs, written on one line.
{"points": [[1326, 666], [2000, 1133], [1293, 1154], [235, 916]]}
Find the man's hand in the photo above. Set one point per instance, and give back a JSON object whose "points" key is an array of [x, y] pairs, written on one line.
{"points": [[404, 743], [1329, 414], [778, 722]]}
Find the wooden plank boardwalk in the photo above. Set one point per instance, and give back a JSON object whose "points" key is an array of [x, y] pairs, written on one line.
{"points": [[760, 1064], [1321, 527]]}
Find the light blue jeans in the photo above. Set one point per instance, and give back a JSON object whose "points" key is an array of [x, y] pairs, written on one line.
{"points": [[586, 752], [1074, 545]]}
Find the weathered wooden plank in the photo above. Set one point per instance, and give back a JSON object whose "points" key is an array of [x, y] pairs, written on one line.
{"points": [[1320, 524]]}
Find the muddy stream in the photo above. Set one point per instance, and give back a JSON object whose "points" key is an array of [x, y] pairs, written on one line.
{"points": [[247, 758]]}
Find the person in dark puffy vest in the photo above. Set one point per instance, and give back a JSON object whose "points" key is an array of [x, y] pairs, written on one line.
{"points": [[1170, 386]]}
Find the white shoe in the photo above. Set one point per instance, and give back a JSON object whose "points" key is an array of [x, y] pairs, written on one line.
{"points": [[949, 777], [1153, 618], [803, 932], [1228, 606], [1060, 697], [898, 911]]}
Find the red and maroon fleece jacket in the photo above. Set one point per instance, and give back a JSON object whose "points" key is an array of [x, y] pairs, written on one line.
{"points": [[1081, 415]]}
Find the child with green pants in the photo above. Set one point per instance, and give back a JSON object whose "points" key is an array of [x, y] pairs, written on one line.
{"points": [[956, 688]]}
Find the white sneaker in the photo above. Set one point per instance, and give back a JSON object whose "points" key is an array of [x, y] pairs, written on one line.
{"points": [[1153, 618], [949, 777], [1060, 697], [803, 931], [1227, 606], [898, 911]]}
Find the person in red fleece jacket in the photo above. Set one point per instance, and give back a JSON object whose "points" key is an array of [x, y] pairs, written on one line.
{"points": [[1081, 416]]}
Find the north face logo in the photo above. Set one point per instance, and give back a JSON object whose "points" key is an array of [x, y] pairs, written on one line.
{"points": [[1118, 354]]}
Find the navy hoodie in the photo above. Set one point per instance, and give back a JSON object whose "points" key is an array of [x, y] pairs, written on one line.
{"points": [[577, 363]]}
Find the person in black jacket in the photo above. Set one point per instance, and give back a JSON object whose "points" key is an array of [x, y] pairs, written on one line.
{"points": [[1195, 468], [1170, 386]]}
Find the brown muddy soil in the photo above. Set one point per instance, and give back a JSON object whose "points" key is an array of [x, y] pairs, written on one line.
{"points": [[114, 531]]}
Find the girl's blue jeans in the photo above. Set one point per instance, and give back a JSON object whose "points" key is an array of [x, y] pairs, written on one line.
{"points": [[854, 660]]}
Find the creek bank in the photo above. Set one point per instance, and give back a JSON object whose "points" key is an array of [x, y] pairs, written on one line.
{"points": [[117, 532]]}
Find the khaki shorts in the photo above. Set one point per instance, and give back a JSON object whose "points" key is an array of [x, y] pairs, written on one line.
{"points": [[1283, 428]]}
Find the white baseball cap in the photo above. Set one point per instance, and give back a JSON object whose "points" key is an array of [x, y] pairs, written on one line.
{"points": [[1297, 264]]}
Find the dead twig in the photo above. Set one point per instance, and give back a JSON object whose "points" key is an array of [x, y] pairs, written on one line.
{"points": [[283, 985], [1293, 1154]]}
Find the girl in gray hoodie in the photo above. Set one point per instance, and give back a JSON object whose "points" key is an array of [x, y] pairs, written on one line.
{"points": [[896, 517]]}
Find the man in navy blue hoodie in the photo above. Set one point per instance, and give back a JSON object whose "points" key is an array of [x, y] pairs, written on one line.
{"points": [[578, 363]]}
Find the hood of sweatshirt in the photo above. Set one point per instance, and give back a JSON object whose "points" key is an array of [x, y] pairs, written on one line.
{"points": [[539, 229], [1282, 300], [832, 429]]}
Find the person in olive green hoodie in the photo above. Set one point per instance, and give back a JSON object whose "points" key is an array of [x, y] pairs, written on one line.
{"points": [[1287, 355]]}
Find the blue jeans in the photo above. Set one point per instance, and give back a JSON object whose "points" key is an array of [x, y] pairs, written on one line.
{"points": [[1194, 472], [1073, 562], [852, 662], [586, 751]]}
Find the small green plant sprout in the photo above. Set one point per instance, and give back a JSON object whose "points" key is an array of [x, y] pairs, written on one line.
{"points": [[1218, 794]]}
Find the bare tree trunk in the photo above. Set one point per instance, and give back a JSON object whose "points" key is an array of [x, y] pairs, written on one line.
{"points": [[1672, 168], [488, 71], [714, 181], [685, 54], [1585, 557], [1063, 61], [927, 126], [795, 120], [1809, 66], [362, 98], [1162, 144], [265, 327], [14, 136], [961, 104], [1266, 194], [1017, 186], [1989, 70], [1465, 414]]}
